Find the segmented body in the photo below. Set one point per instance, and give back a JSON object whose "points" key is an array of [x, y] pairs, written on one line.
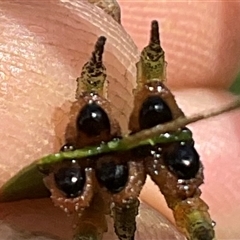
{"points": [[174, 167], [91, 188]]}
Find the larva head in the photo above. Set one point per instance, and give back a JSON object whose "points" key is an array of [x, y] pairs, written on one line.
{"points": [[153, 101], [90, 116]]}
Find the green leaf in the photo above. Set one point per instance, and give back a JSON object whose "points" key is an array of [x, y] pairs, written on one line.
{"points": [[27, 184], [127, 143]]}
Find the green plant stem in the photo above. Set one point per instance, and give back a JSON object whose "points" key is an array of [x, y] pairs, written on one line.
{"points": [[163, 133]]}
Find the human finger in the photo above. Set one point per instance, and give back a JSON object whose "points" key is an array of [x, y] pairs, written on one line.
{"points": [[201, 38], [53, 224], [41, 58]]}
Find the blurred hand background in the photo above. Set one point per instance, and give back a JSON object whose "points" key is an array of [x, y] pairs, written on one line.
{"points": [[43, 46]]}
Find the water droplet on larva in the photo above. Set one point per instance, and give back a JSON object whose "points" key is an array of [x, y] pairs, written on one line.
{"points": [[180, 181], [167, 135], [76, 208]]}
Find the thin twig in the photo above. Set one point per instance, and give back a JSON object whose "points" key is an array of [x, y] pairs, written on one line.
{"points": [[178, 123], [150, 136]]}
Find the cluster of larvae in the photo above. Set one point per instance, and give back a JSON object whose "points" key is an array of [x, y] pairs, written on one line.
{"points": [[110, 184]]}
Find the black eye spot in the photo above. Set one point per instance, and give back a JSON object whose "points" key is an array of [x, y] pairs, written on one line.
{"points": [[154, 111], [183, 161], [114, 177], [70, 180], [92, 120]]}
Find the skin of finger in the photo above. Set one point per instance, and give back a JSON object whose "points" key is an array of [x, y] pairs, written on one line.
{"points": [[41, 74], [201, 38], [41, 58], [9, 232], [217, 142], [19, 215]]}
